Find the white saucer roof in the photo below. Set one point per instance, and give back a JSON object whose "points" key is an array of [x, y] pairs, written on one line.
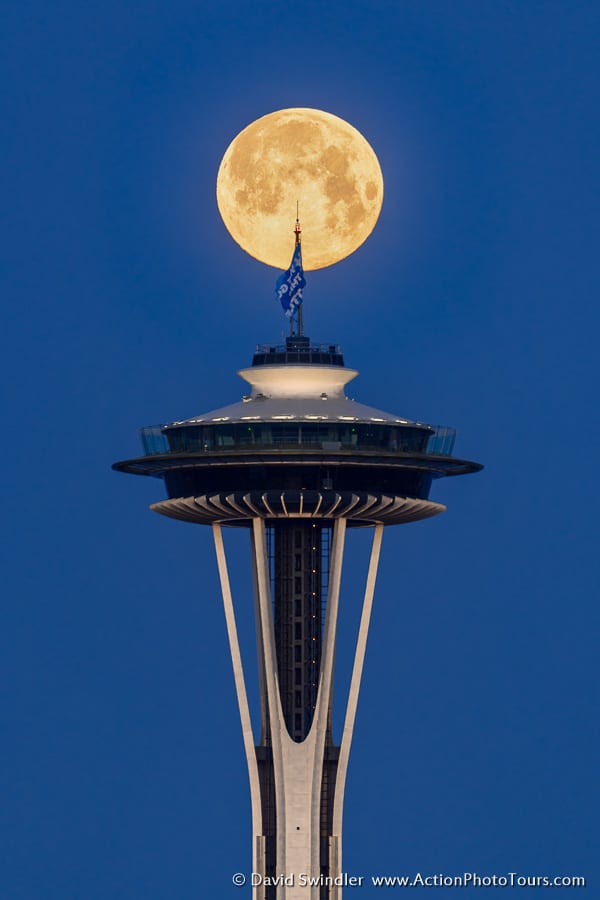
{"points": [[297, 393]]}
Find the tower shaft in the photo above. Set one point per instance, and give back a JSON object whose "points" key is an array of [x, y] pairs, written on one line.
{"points": [[297, 773]]}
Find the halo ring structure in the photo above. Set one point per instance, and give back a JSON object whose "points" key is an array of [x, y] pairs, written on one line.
{"points": [[303, 155]]}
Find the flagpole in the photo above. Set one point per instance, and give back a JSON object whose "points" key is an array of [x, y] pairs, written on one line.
{"points": [[290, 284], [298, 232]]}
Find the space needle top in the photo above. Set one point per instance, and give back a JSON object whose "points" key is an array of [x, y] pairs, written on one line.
{"points": [[297, 462], [296, 434]]}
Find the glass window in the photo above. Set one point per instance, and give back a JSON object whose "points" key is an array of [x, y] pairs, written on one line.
{"points": [[362, 435], [285, 434]]}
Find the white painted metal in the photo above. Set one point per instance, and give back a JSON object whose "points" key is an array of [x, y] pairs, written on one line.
{"points": [[293, 380], [298, 393], [297, 409], [242, 698], [297, 766], [260, 653], [261, 563], [359, 658], [324, 696], [386, 509]]}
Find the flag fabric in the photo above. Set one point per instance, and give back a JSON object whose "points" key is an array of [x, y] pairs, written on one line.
{"points": [[290, 284]]}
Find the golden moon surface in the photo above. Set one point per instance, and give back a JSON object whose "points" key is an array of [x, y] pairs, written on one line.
{"points": [[303, 155]]}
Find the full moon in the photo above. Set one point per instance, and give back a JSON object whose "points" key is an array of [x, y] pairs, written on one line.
{"points": [[306, 156]]}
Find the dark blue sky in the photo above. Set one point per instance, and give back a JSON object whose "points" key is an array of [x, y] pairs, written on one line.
{"points": [[125, 303]]}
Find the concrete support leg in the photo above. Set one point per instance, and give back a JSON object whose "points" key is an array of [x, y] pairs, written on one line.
{"points": [[242, 698], [298, 766], [359, 658]]}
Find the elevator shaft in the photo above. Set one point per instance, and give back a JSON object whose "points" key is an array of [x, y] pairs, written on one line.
{"points": [[299, 569]]}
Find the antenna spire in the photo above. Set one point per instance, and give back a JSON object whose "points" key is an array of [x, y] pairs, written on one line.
{"points": [[297, 229]]}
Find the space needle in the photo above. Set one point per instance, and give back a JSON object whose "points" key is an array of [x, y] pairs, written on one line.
{"points": [[297, 463]]}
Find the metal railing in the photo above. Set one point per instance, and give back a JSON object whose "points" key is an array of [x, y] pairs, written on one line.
{"points": [[285, 348], [298, 352]]}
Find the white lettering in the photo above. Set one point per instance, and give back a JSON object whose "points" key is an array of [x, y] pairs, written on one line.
{"points": [[276, 880]]}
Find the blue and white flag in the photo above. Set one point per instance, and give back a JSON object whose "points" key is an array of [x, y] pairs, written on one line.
{"points": [[290, 284]]}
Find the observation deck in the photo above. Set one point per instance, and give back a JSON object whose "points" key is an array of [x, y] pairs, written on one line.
{"points": [[297, 431], [298, 349]]}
